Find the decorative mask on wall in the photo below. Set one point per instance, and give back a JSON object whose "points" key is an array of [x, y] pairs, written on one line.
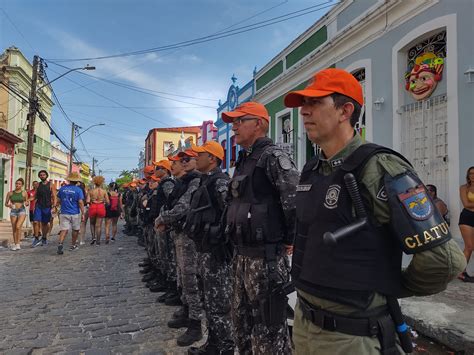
{"points": [[423, 78]]}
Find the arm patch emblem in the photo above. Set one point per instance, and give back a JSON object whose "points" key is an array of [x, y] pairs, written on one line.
{"points": [[417, 203], [382, 194]]}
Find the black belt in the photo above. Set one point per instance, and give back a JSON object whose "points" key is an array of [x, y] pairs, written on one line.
{"points": [[333, 322], [250, 251]]}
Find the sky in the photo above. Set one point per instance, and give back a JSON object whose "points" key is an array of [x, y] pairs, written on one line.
{"points": [[186, 83]]}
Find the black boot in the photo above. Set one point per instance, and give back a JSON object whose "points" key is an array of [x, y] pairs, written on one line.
{"points": [[148, 277], [192, 334], [181, 322], [208, 348], [173, 300], [181, 312], [146, 269], [157, 287], [145, 263]]}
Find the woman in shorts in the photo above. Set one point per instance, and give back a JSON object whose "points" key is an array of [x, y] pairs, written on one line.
{"points": [[112, 211], [97, 199], [466, 219], [17, 200]]}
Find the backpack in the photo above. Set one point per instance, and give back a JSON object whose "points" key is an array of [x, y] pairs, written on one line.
{"points": [[114, 202]]}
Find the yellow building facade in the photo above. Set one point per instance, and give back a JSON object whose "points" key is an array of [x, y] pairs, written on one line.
{"points": [[160, 142], [58, 165]]}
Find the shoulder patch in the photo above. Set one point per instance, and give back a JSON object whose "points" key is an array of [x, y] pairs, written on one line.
{"points": [[417, 203], [382, 194], [285, 162], [277, 152]]}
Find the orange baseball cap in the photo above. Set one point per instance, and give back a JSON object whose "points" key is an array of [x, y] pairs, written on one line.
{"points": [[154, 178], [125, 185], [164, 164], [327, 82], [211, 147], [188, 152], [142, 181], [133, 184], [149, 169], [247, 108], [173, 157]]}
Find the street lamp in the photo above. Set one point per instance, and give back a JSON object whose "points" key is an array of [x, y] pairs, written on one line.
{"points": [[33, 108], [73, 135], [87, 67]]}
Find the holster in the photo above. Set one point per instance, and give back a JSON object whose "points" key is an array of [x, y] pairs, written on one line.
{"points": [[272, 309], [376, 323]]}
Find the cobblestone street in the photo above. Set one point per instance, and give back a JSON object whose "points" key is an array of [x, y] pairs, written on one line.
{"points": [[89, 301]]}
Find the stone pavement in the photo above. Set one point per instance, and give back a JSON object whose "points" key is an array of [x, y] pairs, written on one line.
{"points": [[89, 301], [447, 317]]}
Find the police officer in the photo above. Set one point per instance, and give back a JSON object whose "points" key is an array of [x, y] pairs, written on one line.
{"points": [[343, 289], [131, 204], [151, 210], [172, 296], [204, 225], [185, 250], [260, 221], [159, 240], [143, 191]]}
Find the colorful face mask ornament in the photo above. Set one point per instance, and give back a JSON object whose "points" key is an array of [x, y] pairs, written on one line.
{"points": [[423, 78]]}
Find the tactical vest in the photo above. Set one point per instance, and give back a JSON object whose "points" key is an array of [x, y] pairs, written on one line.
{"points": [[203, 222], [255, 216], [150, 209], [161, 198], [180, 187], [358, 265]]}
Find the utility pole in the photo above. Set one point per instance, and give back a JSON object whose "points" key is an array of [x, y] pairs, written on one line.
{"points": [[72, 150], [33, 107], [94, 161]]}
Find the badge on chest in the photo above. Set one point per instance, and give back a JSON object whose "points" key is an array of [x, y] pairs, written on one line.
{"points": [[332, 196]]}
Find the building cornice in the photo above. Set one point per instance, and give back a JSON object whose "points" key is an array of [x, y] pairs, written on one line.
{"points": [[345, 42]]}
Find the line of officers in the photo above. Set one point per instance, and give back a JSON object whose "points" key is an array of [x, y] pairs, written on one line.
{"points": [[220, 247]]}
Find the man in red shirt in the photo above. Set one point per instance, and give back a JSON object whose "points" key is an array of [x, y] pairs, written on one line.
{"points": [[32, 199]]}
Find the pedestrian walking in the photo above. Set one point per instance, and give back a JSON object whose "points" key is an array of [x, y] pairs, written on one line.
{"points": [[185, 250], [347, 288], [204, 226], [466, 220], [32, 199], [45, 201], [97, 199], [82, 231], [71, 200], [112, 211], [260, 222], [17, 201]]}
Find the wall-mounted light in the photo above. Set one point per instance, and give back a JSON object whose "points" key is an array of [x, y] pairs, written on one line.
{"points": [[469, 75], [378, 103]]}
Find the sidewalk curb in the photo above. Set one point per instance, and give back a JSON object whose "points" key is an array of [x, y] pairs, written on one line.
{"points": [[447, 336]]}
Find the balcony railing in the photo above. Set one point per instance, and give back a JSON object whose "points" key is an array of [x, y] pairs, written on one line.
{"points": [[40, 147]]}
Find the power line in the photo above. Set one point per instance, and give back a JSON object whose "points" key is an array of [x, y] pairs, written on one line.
{"points": [[118, 103], [176, 50], [57, 100], [138, 89], [135, 107], [17, 29], [209, 38], [14, 92]]}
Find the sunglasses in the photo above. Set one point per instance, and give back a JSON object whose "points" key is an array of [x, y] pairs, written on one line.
{"points": [[240, 120], [186, 159]]}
